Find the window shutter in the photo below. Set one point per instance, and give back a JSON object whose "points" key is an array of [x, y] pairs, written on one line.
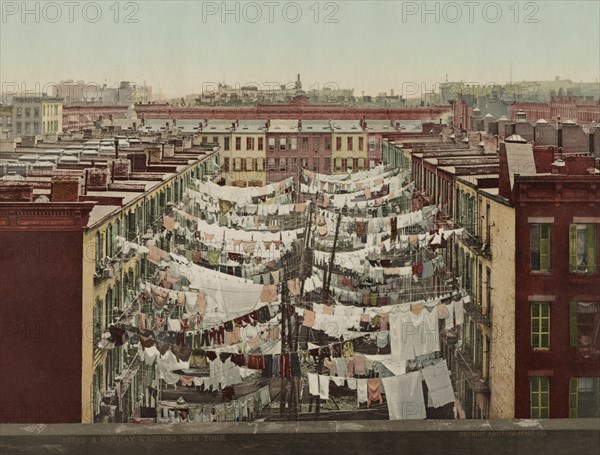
{"points": [[545, 248], [591, 248], [573, 398], [573, 248], [573, 335]]}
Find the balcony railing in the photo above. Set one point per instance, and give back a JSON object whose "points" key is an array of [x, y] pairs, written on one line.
{"points": [[477, 314], [124, 379]]}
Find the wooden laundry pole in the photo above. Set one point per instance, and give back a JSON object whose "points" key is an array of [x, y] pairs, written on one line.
{"points": [[332, 258]]}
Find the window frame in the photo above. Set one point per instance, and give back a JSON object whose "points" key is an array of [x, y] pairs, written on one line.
{"points": [[536, 314]]}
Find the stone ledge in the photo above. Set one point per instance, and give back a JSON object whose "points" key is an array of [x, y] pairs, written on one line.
{"points": [[581, 436]]}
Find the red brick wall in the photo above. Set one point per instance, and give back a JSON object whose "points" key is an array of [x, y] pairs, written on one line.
{"points": [[560, 360], [40, 317]]}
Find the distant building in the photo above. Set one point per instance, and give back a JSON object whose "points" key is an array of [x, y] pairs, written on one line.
{"points": [[37, 115]]}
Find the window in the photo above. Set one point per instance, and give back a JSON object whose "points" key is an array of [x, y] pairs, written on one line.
{"points": [[27, 112], [271, 164], [215, 140], [539, 387], [540, 325], [36, 112], [584, 326], [304, 143], [260, 164], [282, 164], [226, 164], [361, 143], [271, 143], [249, 164], [315, 162], [338, 143], [349, 143], [372, 145], [249, 143], [261, 143], [237, 164], [99, 248], [238, 143], [540, 248], [282, 143], [36, 127], [327, 143], [19, 111], [361, 163], [18, 127], [227, 144], [293, 143], [488, 291], [584, 397], [338, 164], [582, 248], [97, 320], [205, 139]]}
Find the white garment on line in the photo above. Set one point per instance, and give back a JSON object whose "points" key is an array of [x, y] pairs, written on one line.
{"points": [[404, 396], [313, 383], [361, 391], [324, 387], [438, 383]]}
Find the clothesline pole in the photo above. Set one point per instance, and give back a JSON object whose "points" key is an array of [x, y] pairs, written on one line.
{"points": [[332, 258]]}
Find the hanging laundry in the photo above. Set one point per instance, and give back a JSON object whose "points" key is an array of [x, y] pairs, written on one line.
{"points": [[404, 396]]}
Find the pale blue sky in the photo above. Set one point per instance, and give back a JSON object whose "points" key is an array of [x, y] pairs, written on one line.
{"points": [[371, 47]]}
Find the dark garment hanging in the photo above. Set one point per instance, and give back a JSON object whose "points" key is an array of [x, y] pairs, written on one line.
{"points": [[295, 360], [336, 350], [180, 339], [263, 314], [394, 228], [268, 371], [228, 325], [163, 348], [239, 360], [182, 353], [118, 336], [211, 355]]}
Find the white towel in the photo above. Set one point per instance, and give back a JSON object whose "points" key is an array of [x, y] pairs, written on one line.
{"points": [[324, 387], [313, 384], [361, 391]]}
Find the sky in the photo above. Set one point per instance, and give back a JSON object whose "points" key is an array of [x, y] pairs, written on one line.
{"points": [[371, 46]]}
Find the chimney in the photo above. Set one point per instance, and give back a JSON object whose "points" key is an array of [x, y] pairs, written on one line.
{"points": [[559, 138], [116, 148], [16, 191], [97, 178], [174, 122], [64, 189], [138, 162], [121, 168]]}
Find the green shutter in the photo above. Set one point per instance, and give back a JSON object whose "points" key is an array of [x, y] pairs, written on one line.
{"points": [[573, 397], [573, 248], [545, 248], [591, 248], [573, 335]]}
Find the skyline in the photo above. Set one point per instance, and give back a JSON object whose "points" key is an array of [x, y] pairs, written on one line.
{"points": [[262, 52]]}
